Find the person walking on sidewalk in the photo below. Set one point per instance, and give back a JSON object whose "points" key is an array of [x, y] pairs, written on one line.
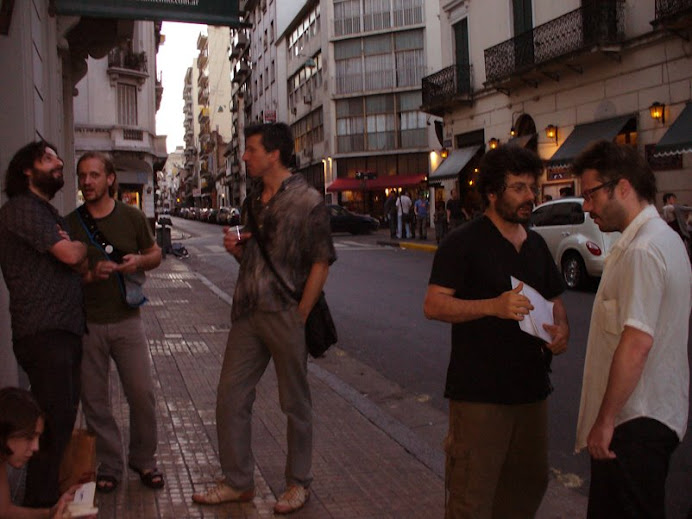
{"points": [[456, 214], [403, 206], [421, 209], [497, 379], [120, 244], [390, 213], [42, 266], [634, 400], [292, 222]]}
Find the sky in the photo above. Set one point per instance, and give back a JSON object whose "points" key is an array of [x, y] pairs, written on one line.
{"points": [[172, 61]]}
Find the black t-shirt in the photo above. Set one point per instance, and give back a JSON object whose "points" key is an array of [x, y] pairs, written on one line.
{"points": [[492, 360], [454, 208]]}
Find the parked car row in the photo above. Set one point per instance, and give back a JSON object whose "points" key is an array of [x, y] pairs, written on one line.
{"points": [[222, 216]]}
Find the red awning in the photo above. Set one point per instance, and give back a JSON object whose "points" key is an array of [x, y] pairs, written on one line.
{"points": [[381, 183], [346, 184], [375, 184]]}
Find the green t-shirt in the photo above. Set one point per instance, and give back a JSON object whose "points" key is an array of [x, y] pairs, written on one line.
{"points": [[127, 229]]}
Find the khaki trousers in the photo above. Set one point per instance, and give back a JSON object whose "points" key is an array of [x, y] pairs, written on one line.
{"points": [[252, 342], [497, 460]]}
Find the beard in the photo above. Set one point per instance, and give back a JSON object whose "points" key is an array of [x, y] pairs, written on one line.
{"points": [[512, 213], [46, 181]]}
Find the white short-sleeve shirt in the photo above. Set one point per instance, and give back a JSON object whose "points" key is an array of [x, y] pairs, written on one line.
{"points": [[647, 285]]}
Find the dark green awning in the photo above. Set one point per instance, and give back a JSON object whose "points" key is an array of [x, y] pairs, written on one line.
{"points": [[678, 138], [585, 134], [453, 164]]}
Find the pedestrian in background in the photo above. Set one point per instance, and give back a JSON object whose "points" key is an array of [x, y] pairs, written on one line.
{"points": [[290, 220], [440, 217], [403, 206], [634, 400], [120, 244], [390, 213], [456, 214], [421, 209], [42, 268], [498, 376]]}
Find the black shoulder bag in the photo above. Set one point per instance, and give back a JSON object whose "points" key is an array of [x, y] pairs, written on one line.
{"points": [[320, 332]]}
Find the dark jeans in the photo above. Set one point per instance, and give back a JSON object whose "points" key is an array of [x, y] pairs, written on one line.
{"points": [[392, 225], [51, 359], [633, 484]]}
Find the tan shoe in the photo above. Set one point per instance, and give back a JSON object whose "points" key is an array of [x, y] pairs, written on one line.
{"points": [[292, 499], [223, 493]]}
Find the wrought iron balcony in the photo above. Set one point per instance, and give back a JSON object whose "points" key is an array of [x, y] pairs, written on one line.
{"points": [[446, 87], [597, 24], [126, 59], [669, 8]]}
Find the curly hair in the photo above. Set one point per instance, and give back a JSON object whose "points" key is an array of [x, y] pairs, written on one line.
{"points": [[19, 413], [497, 163], [16, 182]]}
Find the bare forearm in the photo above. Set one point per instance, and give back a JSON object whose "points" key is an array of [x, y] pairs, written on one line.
{"points": [[150, 259], [449, 309], [625, 371]]}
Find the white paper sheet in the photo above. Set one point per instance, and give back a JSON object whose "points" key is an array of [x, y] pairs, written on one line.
{"points": [[541, 314], [83, 503]]}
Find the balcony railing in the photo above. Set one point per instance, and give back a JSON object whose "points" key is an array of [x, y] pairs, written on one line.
{"points": [[126, 59], [670, 8], [597, 23], [446, 85]]}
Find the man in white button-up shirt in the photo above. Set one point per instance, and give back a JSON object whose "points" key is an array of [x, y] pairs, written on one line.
{"points": [[634, 400]]}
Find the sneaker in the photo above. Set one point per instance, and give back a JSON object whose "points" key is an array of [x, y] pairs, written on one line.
{"points": [[293, 499], [223, 493]]}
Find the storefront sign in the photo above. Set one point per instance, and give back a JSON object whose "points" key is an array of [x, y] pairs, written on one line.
{"points": [[211, 12], [270, 116]]}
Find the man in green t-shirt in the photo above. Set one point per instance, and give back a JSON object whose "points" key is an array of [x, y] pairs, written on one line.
{"points": [[120, 244]]}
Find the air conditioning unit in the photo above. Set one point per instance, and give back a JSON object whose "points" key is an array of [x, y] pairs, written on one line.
{"points": [[308, 153], [307, 99], [294, 110]]}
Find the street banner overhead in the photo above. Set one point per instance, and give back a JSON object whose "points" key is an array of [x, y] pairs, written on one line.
{"points": [[209, 12]]}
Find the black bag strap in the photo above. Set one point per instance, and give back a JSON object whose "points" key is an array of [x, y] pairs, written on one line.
{"points": [[260, 243], [101, 243], [96, 236]]}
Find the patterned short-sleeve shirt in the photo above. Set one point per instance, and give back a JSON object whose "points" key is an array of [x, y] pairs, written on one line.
{"points": [[295, 230], [45, 294]]}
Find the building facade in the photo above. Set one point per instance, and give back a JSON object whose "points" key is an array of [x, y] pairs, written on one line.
{"points": [[115, 112], [556, 76]]}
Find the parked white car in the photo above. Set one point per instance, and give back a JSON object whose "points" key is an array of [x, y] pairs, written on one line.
{"points": [[578, 246]]}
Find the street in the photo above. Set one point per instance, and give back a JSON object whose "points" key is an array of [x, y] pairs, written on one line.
{"points": [[376, 295]]}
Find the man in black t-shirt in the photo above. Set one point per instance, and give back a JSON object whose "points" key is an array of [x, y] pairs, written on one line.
{"points": [[497, 379]]}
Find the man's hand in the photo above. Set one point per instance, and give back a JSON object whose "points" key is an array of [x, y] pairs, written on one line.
{"points": [[560, 334], [233, 243], [598, 441], [130, 264], [103, 269], [512, 304]]}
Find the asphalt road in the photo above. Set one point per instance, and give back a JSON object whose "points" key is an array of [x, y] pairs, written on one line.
{"points": [[376, 296]]}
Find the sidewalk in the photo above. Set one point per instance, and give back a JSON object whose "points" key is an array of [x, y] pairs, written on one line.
{"points": [[375, 455]]}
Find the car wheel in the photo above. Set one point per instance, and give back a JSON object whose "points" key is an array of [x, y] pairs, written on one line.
{"points": [[573, 270]]}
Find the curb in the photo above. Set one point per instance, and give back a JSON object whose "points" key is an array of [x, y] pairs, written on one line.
{"points": [[408, 245]]}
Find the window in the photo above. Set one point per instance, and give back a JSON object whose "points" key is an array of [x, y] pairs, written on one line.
{"points": [[407, 12], [349, 66], [376, 15], [308, 130], [346, 17], [127, 104], [271, 31], [266, 74], [272, 74], [410, 58], [304, 32], [378, 62]]}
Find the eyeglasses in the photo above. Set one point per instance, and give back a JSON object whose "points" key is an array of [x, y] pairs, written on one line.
{"points": [[588, 192], [521, 188]]}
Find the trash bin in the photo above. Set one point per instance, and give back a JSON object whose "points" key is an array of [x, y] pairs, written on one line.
{"points": [[163, 235]]}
